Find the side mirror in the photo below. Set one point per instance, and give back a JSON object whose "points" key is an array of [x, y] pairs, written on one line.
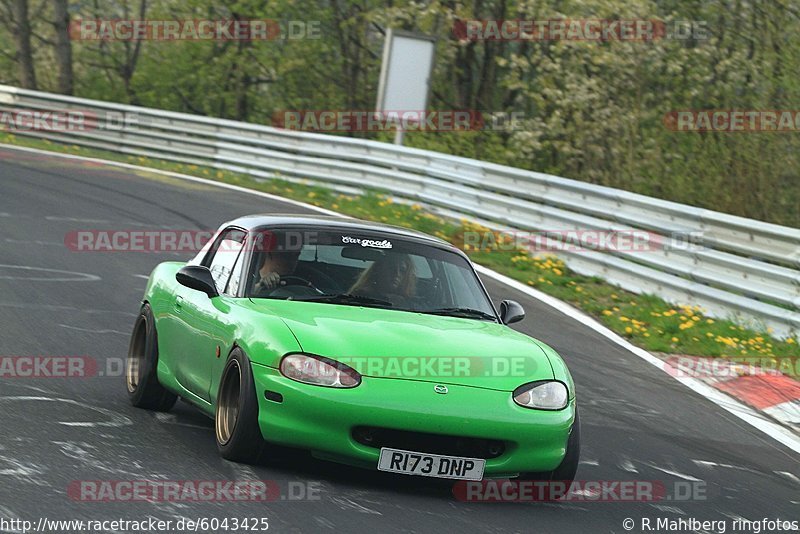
{"points": [[511, 312], [199, 278]]}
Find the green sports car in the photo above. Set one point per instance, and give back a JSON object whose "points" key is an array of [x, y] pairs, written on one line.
{"points": [[366, 344]]}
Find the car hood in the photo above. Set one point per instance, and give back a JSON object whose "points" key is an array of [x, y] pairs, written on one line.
{"points": [[414, 346]]}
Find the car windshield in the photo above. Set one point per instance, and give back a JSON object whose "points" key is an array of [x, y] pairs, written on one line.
{"points": [[365, 269]]}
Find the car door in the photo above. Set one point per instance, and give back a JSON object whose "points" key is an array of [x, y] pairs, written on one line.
{"points": [[207, 328]]}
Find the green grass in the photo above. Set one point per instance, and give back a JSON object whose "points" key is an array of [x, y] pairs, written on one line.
{"points": [[646, 320]]}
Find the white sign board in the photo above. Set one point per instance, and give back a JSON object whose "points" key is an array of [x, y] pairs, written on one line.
{"points": [[405, 72]]}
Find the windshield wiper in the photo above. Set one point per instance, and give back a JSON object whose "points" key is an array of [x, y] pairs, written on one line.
{"points": [[462, 312], [344, 298]]}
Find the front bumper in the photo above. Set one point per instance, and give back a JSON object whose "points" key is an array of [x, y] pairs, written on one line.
{"points": [[322, 419]]}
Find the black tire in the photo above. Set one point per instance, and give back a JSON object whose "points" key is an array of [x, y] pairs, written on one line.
{"points": [[144, 390], [568, 467], [236, 428]]}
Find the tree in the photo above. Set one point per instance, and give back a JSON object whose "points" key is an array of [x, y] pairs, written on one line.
{"points": [[63, 46], [15, 18]]}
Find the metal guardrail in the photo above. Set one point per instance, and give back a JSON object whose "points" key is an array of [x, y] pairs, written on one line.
{"points": [[732, 266]]}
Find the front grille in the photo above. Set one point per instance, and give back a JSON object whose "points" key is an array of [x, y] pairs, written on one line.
{"points": [[431, 443]]}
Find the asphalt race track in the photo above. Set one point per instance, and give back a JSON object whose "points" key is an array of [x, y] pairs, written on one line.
{"points": [[638, 423]]}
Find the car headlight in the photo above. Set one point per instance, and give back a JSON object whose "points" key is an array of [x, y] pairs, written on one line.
{"points": [[319, 371], [543, 395]]}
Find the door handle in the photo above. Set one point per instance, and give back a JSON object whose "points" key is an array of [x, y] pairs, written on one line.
{"points": [[178, 302]]}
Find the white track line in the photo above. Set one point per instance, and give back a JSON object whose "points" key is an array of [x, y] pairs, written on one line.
{"points": [[740, 410]]}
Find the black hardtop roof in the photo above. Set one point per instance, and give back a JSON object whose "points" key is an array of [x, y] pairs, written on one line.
{"points": [[323, 222]]}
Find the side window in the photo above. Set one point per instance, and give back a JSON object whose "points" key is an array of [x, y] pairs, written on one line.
{"points": [[225, 253], [236, 275]]}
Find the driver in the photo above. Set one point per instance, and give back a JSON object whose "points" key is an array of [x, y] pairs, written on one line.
{"points": [[276, 264]]}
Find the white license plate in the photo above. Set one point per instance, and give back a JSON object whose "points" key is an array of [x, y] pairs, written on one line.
{"points": [[430, 465]]}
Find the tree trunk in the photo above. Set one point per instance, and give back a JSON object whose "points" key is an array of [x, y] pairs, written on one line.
{"points": [[63, 47], [22, 38]]}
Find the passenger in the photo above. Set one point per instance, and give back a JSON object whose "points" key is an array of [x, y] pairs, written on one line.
{"points": [[390, 275]]}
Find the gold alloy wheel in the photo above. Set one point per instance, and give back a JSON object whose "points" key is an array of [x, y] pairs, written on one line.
{"points": [[136, 358], [228, 402]]}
